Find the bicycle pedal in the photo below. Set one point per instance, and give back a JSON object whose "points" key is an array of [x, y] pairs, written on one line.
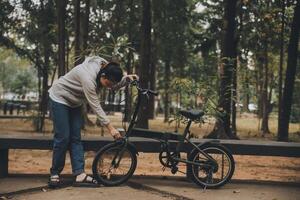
{"points": [[174, 170]]}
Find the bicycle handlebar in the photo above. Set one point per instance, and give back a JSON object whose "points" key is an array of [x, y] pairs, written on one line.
{"points": [[143, 91]]}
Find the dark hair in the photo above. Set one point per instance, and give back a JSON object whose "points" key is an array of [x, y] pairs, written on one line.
{"points": [[112, 71]]}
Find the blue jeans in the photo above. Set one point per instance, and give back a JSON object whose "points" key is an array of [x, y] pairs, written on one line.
{"points": [[67, 124]]}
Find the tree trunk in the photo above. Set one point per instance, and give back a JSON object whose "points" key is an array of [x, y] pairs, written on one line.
{"points": [[153, 82], [239, 66], [167, 86], [39, 82], [116, 18], [44, 101], [228, 63], [67, 52], [77, 33], [84, 42], [246, 91], [290, 76], [128, 91], [145, 62], [46, 47], [281, 62], [85, 26], [234, 100], [265, 99], [61, 17], [260, 82]]}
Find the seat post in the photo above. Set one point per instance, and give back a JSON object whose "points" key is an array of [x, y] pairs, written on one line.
{"points": [[186, 131], [187, 128]]}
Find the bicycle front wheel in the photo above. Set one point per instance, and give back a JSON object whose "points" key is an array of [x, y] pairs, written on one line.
{"points": [[208, 174], [114, 164]]}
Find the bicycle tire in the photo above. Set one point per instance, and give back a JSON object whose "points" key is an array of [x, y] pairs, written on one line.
{"points": [[106, 181], [194, 174]]}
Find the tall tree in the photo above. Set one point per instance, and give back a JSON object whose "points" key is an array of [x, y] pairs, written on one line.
{"points": [[85, 27], [167, 87], [77, 33], [61, 17], [265, 100], [145, 61], [266, 44], [228, 63], [153, 76], [235, 94], [45, 21], [290, 75], [129, 63], [281, 61], [84, 51]]}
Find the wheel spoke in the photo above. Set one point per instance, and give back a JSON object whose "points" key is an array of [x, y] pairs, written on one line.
{"points": [[208, 174], [111, 167], [222, 166]]}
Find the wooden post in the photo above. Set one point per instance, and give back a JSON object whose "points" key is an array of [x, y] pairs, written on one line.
{"points": [[3, 163], [189, 168]]}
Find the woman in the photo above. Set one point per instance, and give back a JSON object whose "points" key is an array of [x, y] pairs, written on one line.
{"points": [[66, 97]]}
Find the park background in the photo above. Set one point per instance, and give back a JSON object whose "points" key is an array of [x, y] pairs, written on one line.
{"points": [[236, 60]]}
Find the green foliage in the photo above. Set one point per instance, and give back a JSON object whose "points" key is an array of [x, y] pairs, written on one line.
{"points": [[16, 74], [187, 89], [170, 30], [30, 30], [188, 38], [117, 49], [24, 81]]}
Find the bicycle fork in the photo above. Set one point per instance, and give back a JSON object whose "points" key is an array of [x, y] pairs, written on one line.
{"points": [[118, 156]]}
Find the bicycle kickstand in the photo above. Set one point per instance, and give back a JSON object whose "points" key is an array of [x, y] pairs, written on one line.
{"points": [[204, 189]]}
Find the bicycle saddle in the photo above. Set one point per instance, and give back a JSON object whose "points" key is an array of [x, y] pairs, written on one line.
{"points": [[192, 114]]}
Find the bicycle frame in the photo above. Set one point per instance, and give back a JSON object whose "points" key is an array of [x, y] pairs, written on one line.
{"points": [[185, 134]]}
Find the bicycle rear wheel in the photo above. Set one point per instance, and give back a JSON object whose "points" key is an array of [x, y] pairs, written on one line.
{"points": [[208, 175], [114, 164]]}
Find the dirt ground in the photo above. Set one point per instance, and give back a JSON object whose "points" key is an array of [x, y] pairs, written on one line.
{"points": [[247, 167], [146, 188]]}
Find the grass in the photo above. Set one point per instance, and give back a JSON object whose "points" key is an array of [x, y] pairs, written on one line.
{"points": [[247, 127]]}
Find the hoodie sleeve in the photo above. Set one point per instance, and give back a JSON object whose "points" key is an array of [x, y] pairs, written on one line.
{"points": [[89, 89]]}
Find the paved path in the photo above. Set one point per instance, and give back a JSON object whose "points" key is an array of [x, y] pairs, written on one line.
{"points": [[32, 187]]}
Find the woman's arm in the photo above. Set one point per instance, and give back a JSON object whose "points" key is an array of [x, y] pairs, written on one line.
{"points": [[125, 81], [89, 89]]}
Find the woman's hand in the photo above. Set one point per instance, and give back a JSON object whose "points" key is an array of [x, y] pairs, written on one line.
{"points": [[114, 132], [133, 77]]}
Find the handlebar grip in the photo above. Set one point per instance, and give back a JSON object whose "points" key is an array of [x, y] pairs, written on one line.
{"points": [[134, 82], [155, 93]]}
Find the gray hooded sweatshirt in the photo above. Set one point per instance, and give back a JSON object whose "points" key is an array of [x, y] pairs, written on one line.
{"points": [[80, 83]]}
